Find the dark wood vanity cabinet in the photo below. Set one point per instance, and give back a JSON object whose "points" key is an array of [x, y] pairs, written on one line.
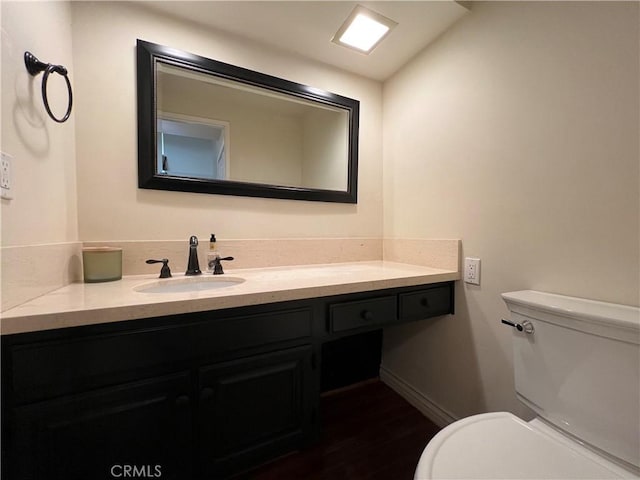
{"points": [[194, 396], [200, 395]]}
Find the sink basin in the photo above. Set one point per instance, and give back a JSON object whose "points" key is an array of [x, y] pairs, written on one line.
{"points": [[190, 284]]}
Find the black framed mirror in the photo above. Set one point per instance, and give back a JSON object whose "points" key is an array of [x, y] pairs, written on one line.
{"points": [[210, 127]]}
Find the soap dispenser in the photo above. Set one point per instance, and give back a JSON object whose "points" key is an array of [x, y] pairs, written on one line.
{"points": [[212, 254]]}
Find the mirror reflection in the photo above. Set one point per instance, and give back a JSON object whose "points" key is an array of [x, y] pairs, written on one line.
{"points": [[210, 127], [192, 147], [213, 128]]}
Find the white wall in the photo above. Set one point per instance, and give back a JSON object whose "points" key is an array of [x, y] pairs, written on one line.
{"points": [[44, 180], [517, 131], [111, 207]]}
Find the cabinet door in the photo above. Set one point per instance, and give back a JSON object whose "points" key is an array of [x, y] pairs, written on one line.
{"points": [[254, 409], [141, 428]]}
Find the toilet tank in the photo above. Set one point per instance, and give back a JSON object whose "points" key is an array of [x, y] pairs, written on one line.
{"points": [[580, 368]]}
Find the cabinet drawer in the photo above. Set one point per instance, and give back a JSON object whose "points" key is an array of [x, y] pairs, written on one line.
{"points": [[426, 303], [363, 313], [67, 365], [251, 331]]}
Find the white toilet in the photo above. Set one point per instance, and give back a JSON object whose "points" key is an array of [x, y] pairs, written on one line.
{"points": [[577, 365]]}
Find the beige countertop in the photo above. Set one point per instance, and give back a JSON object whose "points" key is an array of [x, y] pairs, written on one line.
{"points": [[92, 303]]}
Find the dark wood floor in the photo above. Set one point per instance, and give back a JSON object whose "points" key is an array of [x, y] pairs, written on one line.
{"points": [[368, 433]]}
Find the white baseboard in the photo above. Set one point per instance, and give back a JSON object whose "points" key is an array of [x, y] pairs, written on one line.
{"points": [[429, 409]]}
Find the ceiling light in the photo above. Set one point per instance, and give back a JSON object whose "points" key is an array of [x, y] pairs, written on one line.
{"points": [[363, 30]]}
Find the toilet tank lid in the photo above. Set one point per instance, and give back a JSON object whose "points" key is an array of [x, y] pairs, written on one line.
{"points": [[592, 311]]}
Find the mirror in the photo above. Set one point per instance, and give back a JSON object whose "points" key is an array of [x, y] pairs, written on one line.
{"points": [[210, 127]]}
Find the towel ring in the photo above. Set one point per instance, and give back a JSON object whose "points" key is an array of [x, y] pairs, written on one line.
{"points": [[35, 66]]}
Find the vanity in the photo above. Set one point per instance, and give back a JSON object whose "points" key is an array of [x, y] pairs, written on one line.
{"points": [[101, 378]]}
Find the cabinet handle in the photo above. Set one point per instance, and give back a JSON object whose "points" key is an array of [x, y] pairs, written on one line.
{"points": [[424, 301], [206, 393], [182, 401], [366, 315]]}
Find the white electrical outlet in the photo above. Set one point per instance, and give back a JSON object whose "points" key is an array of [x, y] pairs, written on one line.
{"points": [[5, 176], [472, 270]]}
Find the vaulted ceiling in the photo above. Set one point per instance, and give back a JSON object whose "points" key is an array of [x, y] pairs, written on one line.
{"points": [[307, 27]]}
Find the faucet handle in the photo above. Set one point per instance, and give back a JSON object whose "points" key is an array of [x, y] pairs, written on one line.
{"points": [[217, 266], [165, 272]]}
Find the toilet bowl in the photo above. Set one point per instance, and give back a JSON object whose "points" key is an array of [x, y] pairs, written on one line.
{"points": [[577, 365], [503, 446]]}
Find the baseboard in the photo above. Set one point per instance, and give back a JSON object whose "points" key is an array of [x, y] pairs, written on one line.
{"points": [[429, 409]]}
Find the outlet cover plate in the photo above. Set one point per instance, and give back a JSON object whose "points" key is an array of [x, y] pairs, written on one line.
{"points": [[472, 270], [5, 176]]}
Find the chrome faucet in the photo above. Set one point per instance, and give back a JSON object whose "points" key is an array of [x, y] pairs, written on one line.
{"points": [[193, 266]]}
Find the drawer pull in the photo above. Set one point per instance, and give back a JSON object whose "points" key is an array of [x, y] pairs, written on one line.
{"points": [[366, 315], [426, 303], [363, 314], [206, 393]]}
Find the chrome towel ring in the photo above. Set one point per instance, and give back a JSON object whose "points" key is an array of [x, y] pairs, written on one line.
{"points": [[34, 67]]}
